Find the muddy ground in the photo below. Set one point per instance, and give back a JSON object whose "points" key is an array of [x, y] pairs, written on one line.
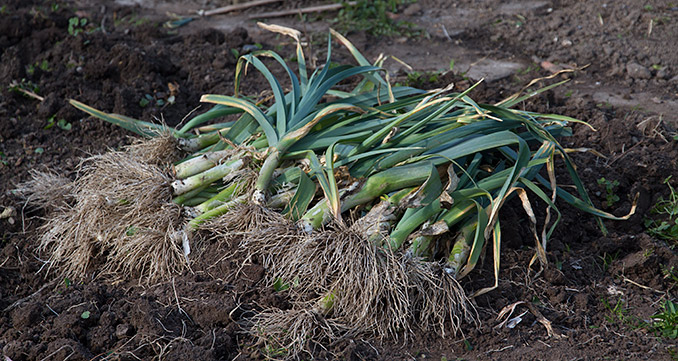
{"points": [[599, 293]]}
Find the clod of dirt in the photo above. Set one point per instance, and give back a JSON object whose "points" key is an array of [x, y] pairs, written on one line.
{"points": [[25, 316], [123, 330], [638, 71]]}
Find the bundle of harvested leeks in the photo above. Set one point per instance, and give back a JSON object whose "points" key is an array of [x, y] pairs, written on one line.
{"points": [[373, 235]]}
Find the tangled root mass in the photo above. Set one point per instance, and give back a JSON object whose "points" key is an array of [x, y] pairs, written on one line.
{"points": [[116, 215]]}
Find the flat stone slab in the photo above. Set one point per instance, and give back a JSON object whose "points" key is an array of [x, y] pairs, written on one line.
{"points": [[492, 70], [517, 7]]}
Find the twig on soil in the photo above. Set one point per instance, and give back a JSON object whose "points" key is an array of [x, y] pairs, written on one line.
{"points": [[447, 35], [534, 81], [77, 305], [103, 25], [26, 92], [507, 311], [59, 349], [499, 350], [18, 302], [116, 351], [235, 7], [623, 154], [641, 286], [50, 308], [163, 326], [544, 343], [549, 328], [310, 9], [589, 340]]}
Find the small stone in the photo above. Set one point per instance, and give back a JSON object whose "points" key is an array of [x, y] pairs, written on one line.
{"points": [[219, 63], [638, 71], [663, 73], [412, 9], [8, 212], [122, 330], [608, 49]]}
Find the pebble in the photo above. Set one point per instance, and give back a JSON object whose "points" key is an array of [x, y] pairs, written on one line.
{"points": [[413, 9], [638, 71], [122, 330], [663, 73]]}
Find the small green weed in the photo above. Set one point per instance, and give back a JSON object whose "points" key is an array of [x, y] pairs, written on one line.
{"points": [[149, 99], [61, 123], [610, 197], [23, 86], [608, 258], [417, 79], [133, 20], [274, 350], [670, 273], [666, 323], [648, 252], [3, 159], [280, 285], [76, 25], [131, 231], [619, 313], [374, 17], [43, 65], [664, 223], [531, 68]]}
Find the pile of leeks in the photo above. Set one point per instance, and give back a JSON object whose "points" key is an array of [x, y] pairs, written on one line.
{"points": [[439, 164]]}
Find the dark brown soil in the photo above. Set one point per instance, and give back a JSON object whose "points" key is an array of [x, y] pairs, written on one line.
{"points": [[629, 93]]}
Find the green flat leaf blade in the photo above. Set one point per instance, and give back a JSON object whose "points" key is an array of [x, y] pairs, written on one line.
{"points": [[248, 107], [139, 127], [301, 199]]}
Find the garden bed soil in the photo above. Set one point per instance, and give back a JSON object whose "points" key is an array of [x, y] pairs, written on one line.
{"points": [[599, 292]]}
